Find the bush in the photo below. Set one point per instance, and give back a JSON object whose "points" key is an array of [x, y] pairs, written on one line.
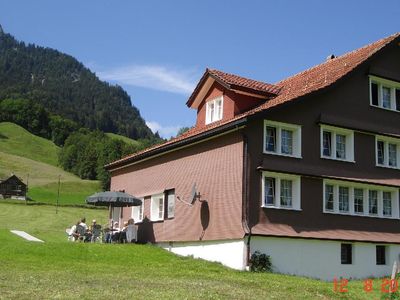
{"points": [[260, 262]]}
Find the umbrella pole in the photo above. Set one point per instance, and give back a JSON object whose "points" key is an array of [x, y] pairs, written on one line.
{"points": [[112, 223]]}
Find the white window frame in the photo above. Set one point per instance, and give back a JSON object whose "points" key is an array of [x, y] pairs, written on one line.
{"points": [[171, 204], [116, 214], [279, 126], [386, 141], [137, 212], [296, 190], [366, 188], [154, 207], [349, 134], [215, 116], [381, 82]]}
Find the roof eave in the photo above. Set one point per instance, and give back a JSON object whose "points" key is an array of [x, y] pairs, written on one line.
{"points": [[197, 89], [180, 143]]}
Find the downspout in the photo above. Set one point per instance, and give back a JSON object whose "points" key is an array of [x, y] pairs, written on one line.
{"points": [[245, 199]]}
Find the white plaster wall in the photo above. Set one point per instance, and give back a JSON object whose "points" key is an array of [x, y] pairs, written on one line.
{"points": [[321, 258], [230, 253]]}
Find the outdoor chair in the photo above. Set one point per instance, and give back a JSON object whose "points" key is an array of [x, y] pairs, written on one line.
{"points": [[96, 233], [80, 230], [71, 237]]}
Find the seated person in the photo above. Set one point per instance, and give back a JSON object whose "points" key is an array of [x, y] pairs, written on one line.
{"points": [[115, 232], [110, 231], [73, 235], [83, 224], [122, 234], [131, 232], [88, 236], [95, 230]]}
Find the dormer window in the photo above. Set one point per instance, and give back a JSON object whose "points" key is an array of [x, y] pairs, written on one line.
{"points": [[385, 93], [214, 110]]}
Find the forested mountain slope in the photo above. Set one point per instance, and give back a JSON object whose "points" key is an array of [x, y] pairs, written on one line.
{"points": [[65, 87]]}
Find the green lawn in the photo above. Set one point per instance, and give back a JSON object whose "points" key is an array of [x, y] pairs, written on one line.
{"points": [[65, 270], [25, 154], [74, 192]]}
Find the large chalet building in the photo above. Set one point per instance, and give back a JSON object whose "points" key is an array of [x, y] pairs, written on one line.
{"points": [[306, 170]]}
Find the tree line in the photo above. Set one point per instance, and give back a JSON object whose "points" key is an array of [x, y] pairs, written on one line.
{"points": [[84, 152], [36, 119]]}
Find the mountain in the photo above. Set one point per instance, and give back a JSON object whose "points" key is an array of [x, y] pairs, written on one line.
{"points": [[65, 87]]}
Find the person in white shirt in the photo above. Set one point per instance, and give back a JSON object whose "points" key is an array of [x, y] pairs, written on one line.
{"points": [[131, 232], [72, 234], [83, 223]]}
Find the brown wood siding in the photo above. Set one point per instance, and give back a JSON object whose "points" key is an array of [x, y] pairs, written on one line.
{"points": [[345, 102], [216, 168]]}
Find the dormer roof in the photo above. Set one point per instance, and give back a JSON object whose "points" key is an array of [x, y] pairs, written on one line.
{"points": [[231, 82]]}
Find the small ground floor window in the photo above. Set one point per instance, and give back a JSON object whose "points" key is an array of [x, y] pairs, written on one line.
{"points": [[381, 255], [346, 254]]}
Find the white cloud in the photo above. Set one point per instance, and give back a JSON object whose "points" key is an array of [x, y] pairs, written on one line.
{"points": [[153, 77], [165, 132]]}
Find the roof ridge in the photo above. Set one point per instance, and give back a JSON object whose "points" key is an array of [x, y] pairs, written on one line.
{"points": [[290, 88], [232, 74], [344, 55], [234, 81]]}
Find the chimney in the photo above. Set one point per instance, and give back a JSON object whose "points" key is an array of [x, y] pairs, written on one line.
{"points": [[330, 57]]}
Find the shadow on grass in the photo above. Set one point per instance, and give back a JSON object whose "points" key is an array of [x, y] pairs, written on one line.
{"points": [[3, 137]]}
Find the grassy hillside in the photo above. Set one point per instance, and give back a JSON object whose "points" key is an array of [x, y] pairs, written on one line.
{"points": [[23, 153], [66, 270], [123, 138], [16, 140]]}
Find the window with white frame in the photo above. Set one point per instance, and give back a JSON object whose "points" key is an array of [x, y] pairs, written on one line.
{"points": [[282, 138], [157, 207], [342, 197], [281, 191], [387, 152], [384, 93], [170, 205], [137, 212], [337, 143], [214, 110], [358, 201], [373, 202], [387, 203]]}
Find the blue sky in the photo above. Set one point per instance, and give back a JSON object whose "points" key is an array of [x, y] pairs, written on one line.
{"points": [[158, 50]]}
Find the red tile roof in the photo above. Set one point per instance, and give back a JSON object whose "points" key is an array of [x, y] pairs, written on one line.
{"points": [[235, 80], [325, 74], [289, 89]]}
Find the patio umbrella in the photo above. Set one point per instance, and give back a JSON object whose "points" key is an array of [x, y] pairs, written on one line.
{"points": [[113, 199]]}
